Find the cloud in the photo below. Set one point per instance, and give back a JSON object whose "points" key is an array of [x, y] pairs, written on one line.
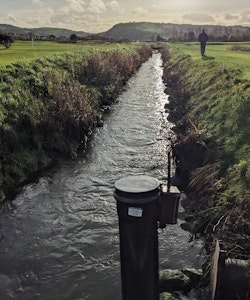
{"points": [[138, 11], [231, 17], [114, 5], [11, 19], [73, 6], [245, 16], [226, 19], [39, 2], [198, 18], [96, 7], [62, 21], [31, 18], [101, 15]]}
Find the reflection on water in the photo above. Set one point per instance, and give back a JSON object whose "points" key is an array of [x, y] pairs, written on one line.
{"points": [[59, 237]]}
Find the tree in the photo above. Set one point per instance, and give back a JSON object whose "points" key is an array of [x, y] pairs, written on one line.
{"points": [[73, 38], [52, 37], [191, 36], [160, 39], [6, 40]]}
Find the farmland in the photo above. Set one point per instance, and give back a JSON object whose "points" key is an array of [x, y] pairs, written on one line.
{"points": [[220, 53], [26, 51]]}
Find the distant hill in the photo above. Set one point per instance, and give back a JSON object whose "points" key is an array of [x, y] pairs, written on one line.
{"points": [[41, 31], [144, 31]]}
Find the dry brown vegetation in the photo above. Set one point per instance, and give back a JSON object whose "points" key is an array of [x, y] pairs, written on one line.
{"points": [[240, 48]]}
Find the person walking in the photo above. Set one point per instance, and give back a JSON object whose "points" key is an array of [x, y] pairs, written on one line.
{"points": [[203, 38]]}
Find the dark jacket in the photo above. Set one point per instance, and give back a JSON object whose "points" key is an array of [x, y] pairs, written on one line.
{"points": [[203, 37]]}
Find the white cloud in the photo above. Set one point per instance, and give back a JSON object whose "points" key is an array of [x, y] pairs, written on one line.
{"points": [[114, 5], [39, 2], [226, 19], [11, 19], [97, 7], [245, 16], [73, 6], [31, 18], [139, 11]]}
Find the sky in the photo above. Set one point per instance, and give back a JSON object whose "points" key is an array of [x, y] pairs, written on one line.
{"points": [[94, 16]]}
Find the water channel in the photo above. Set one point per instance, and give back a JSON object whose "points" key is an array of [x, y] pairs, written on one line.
{"points": [[59, 238]]}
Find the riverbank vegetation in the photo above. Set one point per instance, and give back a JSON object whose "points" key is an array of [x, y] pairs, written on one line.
{"points": [[50, 106], [210, 105]]}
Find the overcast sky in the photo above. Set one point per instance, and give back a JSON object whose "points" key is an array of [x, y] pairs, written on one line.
{"points": [[100, 15]]}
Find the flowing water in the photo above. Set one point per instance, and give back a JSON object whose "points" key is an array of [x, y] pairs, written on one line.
{"points": [[59, 238]]}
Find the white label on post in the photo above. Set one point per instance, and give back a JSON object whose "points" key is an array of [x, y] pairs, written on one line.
{"points": [[135, 212]]}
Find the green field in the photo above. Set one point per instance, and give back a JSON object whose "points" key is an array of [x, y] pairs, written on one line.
{"points": [[221, 53], [27, 51]]}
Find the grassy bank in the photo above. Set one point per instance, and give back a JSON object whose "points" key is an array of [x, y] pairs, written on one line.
{"points": [[50, 106], [225, 55], [210, 106]]}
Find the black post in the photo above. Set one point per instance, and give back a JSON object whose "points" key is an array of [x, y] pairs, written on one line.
{"points": [[169, 171], [138, 211]]}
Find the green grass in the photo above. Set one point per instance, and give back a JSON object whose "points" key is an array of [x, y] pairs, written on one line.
{"points": [[214, 153], [25, 51], [222, 54]]}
